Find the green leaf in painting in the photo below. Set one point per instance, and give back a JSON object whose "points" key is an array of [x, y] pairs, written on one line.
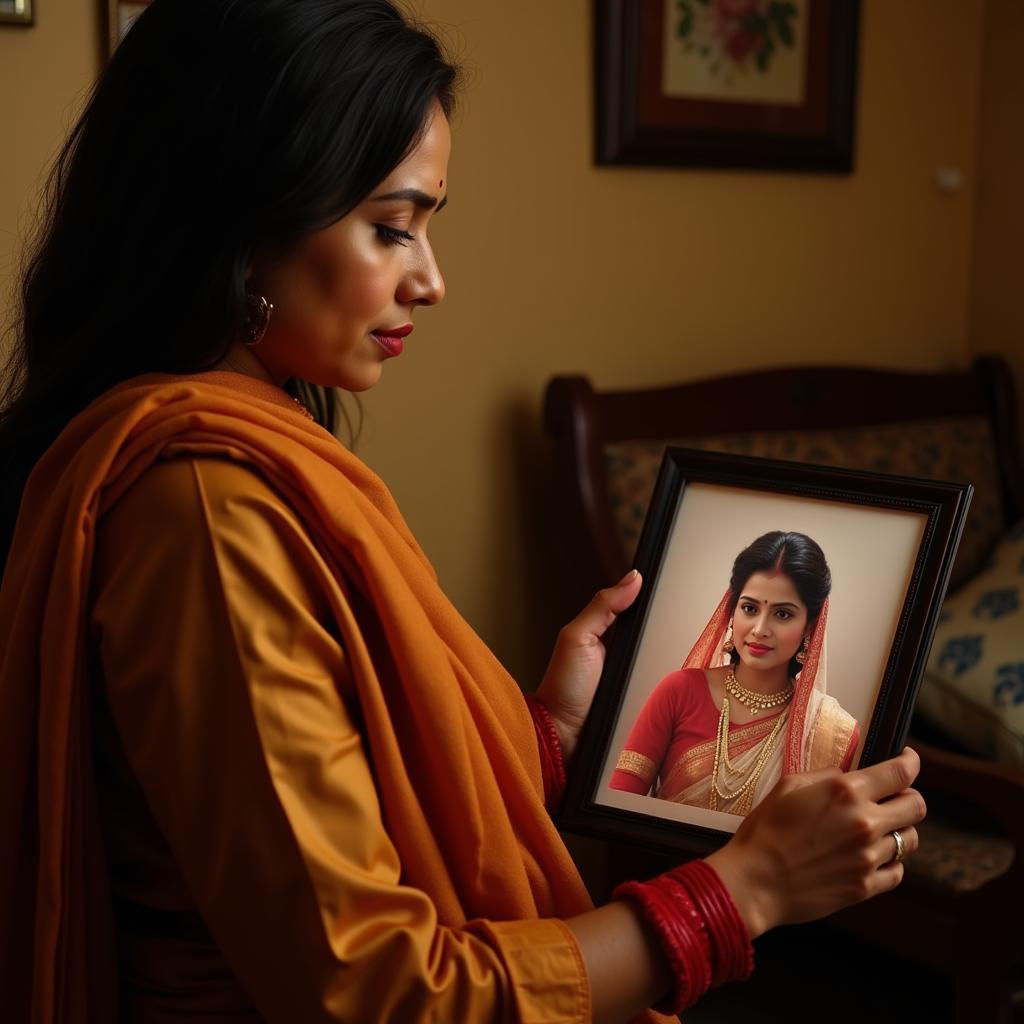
{"points": [[780, 14], [756, 23], [685, 26]]}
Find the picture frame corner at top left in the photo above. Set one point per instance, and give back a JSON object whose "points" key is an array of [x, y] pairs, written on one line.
{"points": [[17, 13]]}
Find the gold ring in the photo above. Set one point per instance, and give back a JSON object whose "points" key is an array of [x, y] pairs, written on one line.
{"points": [[900, 848]]}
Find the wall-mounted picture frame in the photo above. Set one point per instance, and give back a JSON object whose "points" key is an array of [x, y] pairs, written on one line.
{"points": [[118, 17], [17, 12], [685, 735], [727, 83]]}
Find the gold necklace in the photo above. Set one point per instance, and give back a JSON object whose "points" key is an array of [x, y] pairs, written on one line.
{"points": [[744, 791], [305, 412], [755, 702]]}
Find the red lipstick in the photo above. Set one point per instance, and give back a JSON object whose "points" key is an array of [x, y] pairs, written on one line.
{"points": [[758, 649], [390, 338]]}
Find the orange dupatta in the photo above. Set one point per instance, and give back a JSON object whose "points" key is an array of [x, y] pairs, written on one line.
{"points": [[450, 738]]}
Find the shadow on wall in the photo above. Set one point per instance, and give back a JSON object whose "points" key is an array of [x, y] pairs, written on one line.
{"points": [[533, 588]]}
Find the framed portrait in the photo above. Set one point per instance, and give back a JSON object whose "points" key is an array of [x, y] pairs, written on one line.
{"points": [[783, 626], [727, 83], [16, 12], [118, 17]]}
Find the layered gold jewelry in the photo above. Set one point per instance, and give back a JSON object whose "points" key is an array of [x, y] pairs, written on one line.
{"points": [[755, 702], [742, 788]]}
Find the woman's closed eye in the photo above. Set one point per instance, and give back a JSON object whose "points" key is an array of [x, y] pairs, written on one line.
{"points": [[393, 236]]}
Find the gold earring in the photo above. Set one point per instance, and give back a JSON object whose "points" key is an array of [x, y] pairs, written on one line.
{"points": [[257, 319], [801, 655], [727, 645]]}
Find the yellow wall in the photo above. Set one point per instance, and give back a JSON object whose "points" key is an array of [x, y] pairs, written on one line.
{"points": [[45, 71], [997, 317], [631, 275]]}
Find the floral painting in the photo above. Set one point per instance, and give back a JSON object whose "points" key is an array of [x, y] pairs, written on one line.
{"points": [[747, 51]]}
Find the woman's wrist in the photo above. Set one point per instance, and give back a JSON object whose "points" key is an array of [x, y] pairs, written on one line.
{"points": [[549, 745], [751, 897]]}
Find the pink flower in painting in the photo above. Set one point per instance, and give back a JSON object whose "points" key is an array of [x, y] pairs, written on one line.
{"points": [[731, 25], [737, 33]]}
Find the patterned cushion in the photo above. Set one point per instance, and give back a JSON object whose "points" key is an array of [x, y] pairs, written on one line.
{"points": [[974, 685], [952, 857], [958, 449]]}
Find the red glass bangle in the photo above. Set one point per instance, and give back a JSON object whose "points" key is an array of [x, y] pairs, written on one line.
{"points": [[552, 764], [699, 928], [682, 938], [732, 954]]}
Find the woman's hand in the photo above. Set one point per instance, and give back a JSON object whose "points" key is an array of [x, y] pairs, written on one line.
{"points": [[821, 841], [568, 686]]}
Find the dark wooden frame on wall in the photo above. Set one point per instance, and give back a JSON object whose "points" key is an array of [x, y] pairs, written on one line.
{"points": [[943, 507], [636, 124], [23, 18]]}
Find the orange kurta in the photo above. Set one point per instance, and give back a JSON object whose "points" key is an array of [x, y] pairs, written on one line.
{"points": [[341, 779]]}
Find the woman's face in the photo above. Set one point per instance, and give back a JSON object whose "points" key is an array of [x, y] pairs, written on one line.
{"points": [[770, 621], [344, 299]]}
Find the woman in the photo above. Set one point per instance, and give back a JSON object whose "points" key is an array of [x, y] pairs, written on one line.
{"points": [[749, 704], [254, 765]]}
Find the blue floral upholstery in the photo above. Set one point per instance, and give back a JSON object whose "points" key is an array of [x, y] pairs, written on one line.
{"points": [[952, 857], [958, 449], [974, 684]]}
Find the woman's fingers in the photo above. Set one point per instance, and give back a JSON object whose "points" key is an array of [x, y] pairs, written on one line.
{"points": [[890, 870], [902, 811], [567, 688], [596, 618], [887, 850], [888, 777]]}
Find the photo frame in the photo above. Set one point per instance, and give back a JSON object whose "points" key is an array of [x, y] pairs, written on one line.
{"points": [[889, 543], [17, 12], [118, 18], [727, 83]]}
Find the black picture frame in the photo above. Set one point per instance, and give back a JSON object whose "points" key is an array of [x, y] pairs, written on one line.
{"points": [[17, 12], [924, 520], [637, 123]]}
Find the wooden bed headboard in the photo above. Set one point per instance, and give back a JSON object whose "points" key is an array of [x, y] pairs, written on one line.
{"points": [[582, 421]]}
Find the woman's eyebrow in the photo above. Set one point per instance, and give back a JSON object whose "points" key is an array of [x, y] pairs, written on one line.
{"points": [[414, 195]]}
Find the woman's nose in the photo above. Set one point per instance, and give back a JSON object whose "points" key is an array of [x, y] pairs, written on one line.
{"points": [[761, 627], [423, 285]]}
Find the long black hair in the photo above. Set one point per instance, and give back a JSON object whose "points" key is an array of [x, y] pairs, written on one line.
{"points": [[220, 128], [794, 555]]}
